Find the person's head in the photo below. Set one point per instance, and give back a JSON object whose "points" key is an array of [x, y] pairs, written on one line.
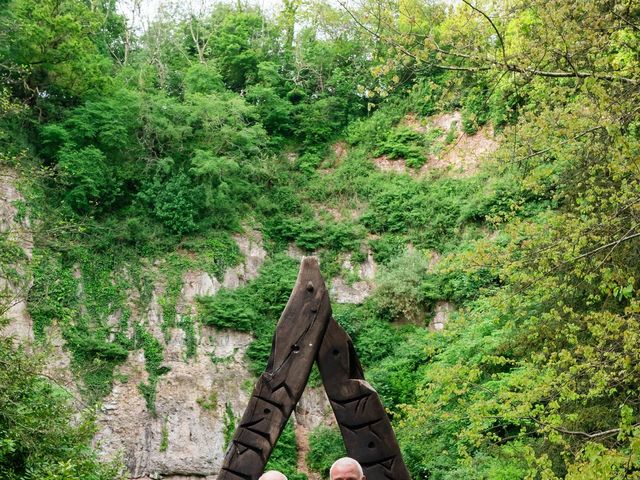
{"points": [[272, 475], [346, 468]]}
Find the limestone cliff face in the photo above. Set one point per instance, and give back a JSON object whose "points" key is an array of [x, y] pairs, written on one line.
{"points": [[200, 397], [186, 436], [16, 228], [196, 399], [359, 290]]}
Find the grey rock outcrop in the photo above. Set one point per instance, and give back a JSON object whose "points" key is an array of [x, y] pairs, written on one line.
{"points": [[356, 292], [442, 312], [251, 247], [186, 436], [15, 228], [197, 399]]}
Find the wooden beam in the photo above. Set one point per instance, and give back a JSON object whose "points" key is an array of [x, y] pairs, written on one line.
{"points": [[363, 422], [296, 343]]}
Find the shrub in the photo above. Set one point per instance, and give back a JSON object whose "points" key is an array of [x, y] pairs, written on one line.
{"points": [[274, 111], [88, 181], [203, 78], [404, 143], [228, 309], [176, 203], [318, 122], [398, 295], [387, 247], [368, 131], [396, 376], [43, 436], [325, 447]]}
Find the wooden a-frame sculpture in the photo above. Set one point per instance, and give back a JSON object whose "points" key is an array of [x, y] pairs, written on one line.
{"points": [[306, 332]]}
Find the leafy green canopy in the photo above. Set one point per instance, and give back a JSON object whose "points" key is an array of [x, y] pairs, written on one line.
{"points": [[535, 378]]}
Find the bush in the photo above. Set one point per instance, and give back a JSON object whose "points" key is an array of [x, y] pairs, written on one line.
{"points": [[228, 309], [404, 143], [396, 376], [177, 203], [325, 447], [43, 437], [274, 111], [431, 212], [398, 295], [318, 122], [387, 247], [203, 78], [367, 132], [88, 181], [308, 163]]}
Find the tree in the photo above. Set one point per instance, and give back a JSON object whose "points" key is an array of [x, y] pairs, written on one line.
{"points": [[48, 52], [40, 435]]}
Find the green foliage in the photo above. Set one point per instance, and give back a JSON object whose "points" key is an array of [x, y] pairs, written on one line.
{"points": [[85, 175], [274, 111], [41, 435], [284, 457], [77, 293], [319, 121], [229, 424], [372, 337], [176, 203], [191, 340], [210, 403], [228, 309], [325, 447], [203, 78], [216, 252], [153, 358], [396, 375], [53, 295], [95, 358], [367, 132], [386, 247], [398, 294], [159, 153], [11, 255], [431, 212], [164, 440], [236, 45], [52, 49], [404, 143]]}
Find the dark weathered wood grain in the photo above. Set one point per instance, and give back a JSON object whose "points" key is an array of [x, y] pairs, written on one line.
{"points": [[363, 422], [295, 345]]}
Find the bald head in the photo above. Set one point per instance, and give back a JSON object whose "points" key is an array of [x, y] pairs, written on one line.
{"points": [[272, 475], [346, 468]]}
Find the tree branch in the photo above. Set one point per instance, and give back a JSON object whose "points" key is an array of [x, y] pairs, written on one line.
{"points": [[485, 63], [493, 25], [579, 433], [610, 244], [545, 150]]}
